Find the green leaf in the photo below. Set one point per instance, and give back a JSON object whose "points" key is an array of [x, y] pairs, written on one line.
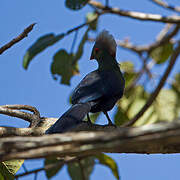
{"points": [[176, 89], [63, 65], [127, 66], [41, 44], [1, 175], [130, 105], [162, 53], [75, 170], [4, 173], [50, 172], [93, 117], [92, 19], [109, 162], [120, 117], [9, 168], [76, 4], [166, 105], [176, 83], [129, 72]]}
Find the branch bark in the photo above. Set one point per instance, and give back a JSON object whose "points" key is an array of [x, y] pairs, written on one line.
{"points": [[14, 111], [136, 15], [166, 5], [155, 138], [164, 38], [17, 39]]}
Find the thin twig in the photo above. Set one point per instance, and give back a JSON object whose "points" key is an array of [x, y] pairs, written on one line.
{"points": [[135, 15], [74, 41], [24, 167], [166, 5], [147, 48], [158, 88], [145, 66], [17, 39], [161, 40], [107, 3], [82, 25], [35, 176]]}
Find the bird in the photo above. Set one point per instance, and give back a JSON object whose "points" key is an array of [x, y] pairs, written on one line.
{"points": [[99, 90]]}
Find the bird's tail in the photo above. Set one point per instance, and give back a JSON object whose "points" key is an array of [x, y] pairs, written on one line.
{"points": [[70, 118]]}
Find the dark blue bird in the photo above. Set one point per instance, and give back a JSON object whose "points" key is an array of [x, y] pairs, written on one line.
{"points": [[98, 90]]}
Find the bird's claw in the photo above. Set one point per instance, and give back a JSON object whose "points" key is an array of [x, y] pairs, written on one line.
{"points": [[111, 124]]}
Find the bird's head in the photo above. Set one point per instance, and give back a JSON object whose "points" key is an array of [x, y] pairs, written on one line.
{"points": [[104, 44]]}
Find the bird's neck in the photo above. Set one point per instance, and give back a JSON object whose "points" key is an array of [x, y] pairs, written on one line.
{"points": [[107, 62]]}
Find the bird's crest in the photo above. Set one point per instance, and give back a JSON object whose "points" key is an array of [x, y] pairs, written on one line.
{"points": [[107, 40]]}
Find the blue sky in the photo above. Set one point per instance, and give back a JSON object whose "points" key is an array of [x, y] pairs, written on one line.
{"points": [[36, 86]]}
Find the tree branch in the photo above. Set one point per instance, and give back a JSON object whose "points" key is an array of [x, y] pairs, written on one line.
{"points": [[162, 39], [155, 138], [22, 107], [14, 111], [40, 130], [166, 5], [158, 88], [11, 131], [136, 15], [17, 39]]}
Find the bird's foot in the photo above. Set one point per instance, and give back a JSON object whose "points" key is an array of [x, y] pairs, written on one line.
{"points": [[89, 120], [111, 124]]}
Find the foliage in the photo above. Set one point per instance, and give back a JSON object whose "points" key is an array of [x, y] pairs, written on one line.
{"points": [[109, 162], [64, 66], [9, 168], [41, 44], [50, 172], [84, 167], [76, 4], [162, 53]]}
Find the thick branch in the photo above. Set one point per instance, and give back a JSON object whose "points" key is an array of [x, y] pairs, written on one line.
{"points": [[36, 131], [11, 131], [136, 15], [17, 39], [155, 138]]}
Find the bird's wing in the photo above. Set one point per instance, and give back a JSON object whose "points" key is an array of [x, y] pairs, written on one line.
{"points": [[89, 89], [96, 85]]}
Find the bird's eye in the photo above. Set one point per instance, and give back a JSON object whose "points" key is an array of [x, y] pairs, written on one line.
{"points": [[96, 50]]}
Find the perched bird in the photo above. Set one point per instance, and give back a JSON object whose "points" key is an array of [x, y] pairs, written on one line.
{"points": [[98, 90]]}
